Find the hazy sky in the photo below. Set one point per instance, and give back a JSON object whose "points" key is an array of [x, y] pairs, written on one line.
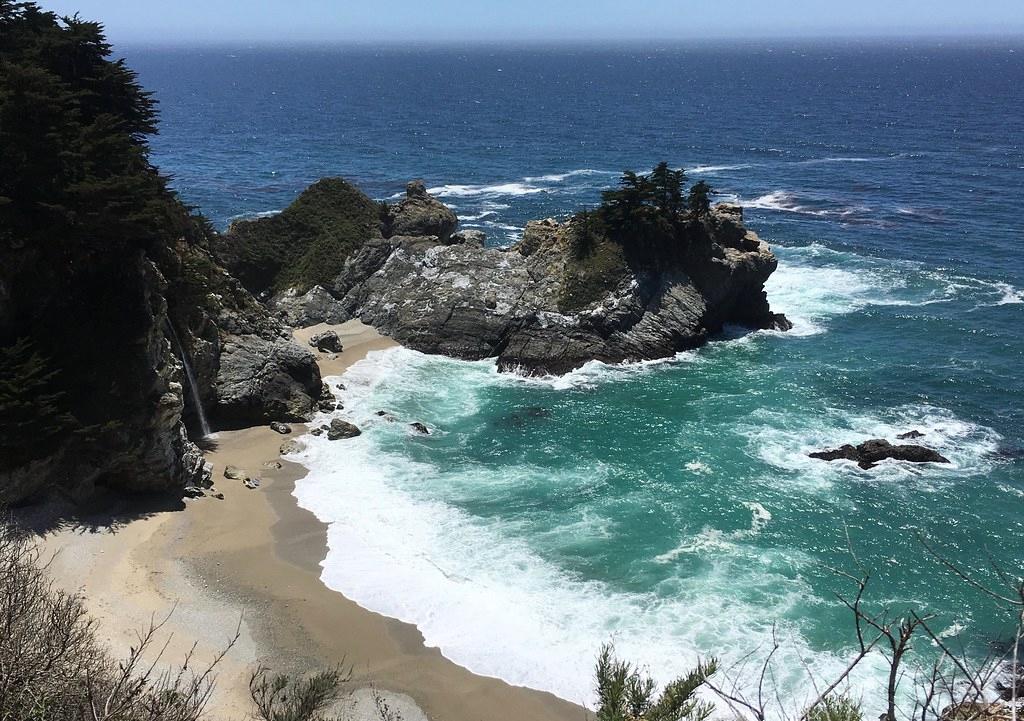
{"points": [[180, 21]]}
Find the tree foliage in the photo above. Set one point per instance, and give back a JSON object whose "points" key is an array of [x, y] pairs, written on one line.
{"points": [[33, 409], [649, 215], [74, 163], [625, 693], [304, 245]]}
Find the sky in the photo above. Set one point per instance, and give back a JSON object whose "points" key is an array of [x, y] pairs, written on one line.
{"points": [[403, 21]]}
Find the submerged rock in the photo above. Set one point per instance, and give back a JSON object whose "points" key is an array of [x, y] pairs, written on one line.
{"points": [[340, 429], [909, 435], [420, 428], [868, 454]]}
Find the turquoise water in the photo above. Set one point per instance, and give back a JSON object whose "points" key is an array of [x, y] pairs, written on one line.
{"points": [[668, 506], [671, 506]]}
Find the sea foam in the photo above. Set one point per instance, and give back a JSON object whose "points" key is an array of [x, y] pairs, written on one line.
{"points": [[483, 595]]}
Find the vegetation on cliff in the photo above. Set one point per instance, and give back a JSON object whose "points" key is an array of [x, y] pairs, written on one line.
{"points": [[304, 245], [647, 222], [81, 206]]}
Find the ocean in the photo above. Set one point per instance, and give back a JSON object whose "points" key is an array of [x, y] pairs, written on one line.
{"points": [[669, 507]]}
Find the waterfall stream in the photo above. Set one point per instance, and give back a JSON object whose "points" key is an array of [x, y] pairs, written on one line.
{"points": [[204, 425]]}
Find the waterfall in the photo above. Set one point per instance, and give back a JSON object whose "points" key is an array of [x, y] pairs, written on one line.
{"points": [[193, 388]]}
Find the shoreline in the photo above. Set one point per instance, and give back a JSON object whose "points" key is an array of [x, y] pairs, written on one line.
{"points": [[253, 560]]}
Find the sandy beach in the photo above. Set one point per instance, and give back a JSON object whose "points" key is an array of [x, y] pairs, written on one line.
{"points": [[251, 561]]}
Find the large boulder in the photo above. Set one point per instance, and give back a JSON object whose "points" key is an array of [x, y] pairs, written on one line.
{"points": [[340, 429], [419, 213], [326, 342]]}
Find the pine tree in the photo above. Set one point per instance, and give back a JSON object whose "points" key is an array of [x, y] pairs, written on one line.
{"points": [[700, 199], [32, 409]]}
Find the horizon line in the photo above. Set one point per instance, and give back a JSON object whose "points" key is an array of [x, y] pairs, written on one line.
{"points": [[243, 43]]}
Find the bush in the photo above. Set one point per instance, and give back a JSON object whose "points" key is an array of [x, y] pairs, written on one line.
{"points": [[54, 668], [836, 708], [625, 694], [304, 245]]}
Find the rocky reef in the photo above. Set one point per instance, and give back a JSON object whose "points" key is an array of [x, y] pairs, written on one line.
{"points": [[869, 454], [537, 306]]}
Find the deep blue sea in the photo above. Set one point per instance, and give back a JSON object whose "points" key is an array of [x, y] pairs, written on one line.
{"points": [[670, 507]]}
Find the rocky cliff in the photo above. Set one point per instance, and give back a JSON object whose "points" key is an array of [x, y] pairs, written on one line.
{"points": [[107, 286], [539, 306]]}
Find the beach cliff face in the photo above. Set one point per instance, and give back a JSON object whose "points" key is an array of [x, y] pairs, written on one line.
{"points": [[538, 306], [112, 332]]}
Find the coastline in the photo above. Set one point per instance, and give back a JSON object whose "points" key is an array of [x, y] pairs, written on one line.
{"points": [[253, 560]]}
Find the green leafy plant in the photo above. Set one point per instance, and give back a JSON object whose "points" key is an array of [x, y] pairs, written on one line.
{"points": [[625, 693]]}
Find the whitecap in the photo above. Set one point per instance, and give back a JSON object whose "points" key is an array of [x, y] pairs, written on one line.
{"points": [[561, 177], [500, 189], [699, 169]]}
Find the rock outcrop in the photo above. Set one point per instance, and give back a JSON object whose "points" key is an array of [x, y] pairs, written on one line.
{"points": [[869, 454], [537, 306], [420, 214], [472, 302], [248, 367]]}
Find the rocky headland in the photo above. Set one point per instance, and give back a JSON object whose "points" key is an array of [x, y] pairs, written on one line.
{"points": [[539, 306]]}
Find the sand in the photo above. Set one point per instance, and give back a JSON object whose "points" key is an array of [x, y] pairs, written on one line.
{"points": [[251, 562]]}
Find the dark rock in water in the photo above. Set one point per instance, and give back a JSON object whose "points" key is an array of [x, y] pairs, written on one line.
{"points": [[1010, 452], [340, 429], [868, 454], [419, 213], [386, 416], [910, 435], [420, 428], [340, 386], [282, 428], [326, 342], [779, 321], [327, 406]]}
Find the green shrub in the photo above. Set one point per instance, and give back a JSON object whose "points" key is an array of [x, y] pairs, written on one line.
{"points": [[836, 708], [626, 694], [304, 245]]}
